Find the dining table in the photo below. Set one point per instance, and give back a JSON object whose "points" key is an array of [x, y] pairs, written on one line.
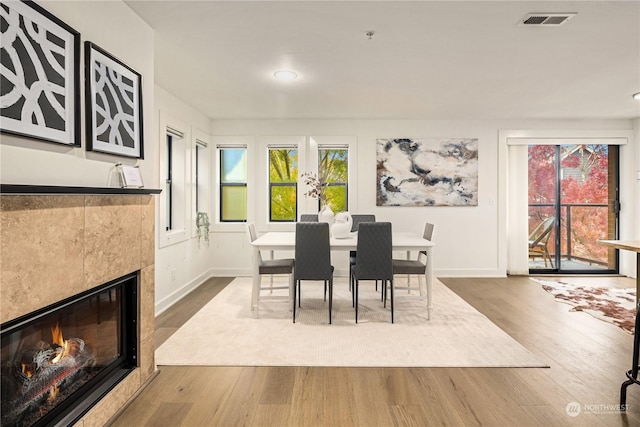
{"points": [[286, 241]]}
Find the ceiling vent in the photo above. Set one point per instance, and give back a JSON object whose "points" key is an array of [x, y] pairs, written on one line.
{"points": [[546, 19]]}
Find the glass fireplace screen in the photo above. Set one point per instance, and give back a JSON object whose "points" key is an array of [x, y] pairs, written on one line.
{"points": [[53, 356]]}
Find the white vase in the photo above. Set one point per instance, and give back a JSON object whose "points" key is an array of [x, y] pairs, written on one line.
{"points": [[341, 228], [326, 215]]}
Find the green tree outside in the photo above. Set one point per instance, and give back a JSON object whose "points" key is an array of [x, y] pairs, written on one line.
{"points": [[333, 173], [283, 181]]}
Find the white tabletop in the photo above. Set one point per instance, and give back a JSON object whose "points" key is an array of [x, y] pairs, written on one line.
{"points": [[287, 240]]}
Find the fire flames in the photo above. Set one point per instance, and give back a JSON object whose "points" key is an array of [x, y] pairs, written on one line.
{"points": [[26, 369], [56, 335], [53, 393]]}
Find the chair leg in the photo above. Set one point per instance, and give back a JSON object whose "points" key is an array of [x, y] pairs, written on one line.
{"points": [[291, 287], [384, 294], [330, 298], [356, 303], [351, 287], [391, 300], [623, 394], [550, 261], [325, 290], [295, 287]]}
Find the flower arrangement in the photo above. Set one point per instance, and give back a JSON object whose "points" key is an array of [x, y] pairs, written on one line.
{"points": [[202, 226], [316, 187]]}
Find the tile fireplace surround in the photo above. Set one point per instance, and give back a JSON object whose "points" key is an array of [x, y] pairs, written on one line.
{"points": [[54, 246]]}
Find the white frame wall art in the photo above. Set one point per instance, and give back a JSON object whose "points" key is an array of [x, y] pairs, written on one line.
{"points": [[114, 104], [40, 75], [427, 172]]}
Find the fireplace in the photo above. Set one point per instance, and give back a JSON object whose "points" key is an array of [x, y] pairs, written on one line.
{"points": [[59, 243], [58, 361]]}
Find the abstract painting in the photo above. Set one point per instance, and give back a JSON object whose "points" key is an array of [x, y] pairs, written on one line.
{"points": [[114, 104], [39, 74], [427, 172]]}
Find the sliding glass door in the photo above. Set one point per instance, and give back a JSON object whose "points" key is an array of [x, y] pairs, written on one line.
{"points": [[573, 202]]}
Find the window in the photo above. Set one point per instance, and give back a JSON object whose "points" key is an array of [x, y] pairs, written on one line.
{"points": [[174, 179], [283, 183], [200, 171], [175, 140], [169, 187], [201, 182], [233, 183], [333, 170]]}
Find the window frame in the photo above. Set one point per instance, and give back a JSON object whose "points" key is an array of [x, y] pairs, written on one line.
{"points": [[272, 185], [336, 184], [222, 185], [200, 176], [174, 199], [234, 140], [262, 171], [351, 144]]}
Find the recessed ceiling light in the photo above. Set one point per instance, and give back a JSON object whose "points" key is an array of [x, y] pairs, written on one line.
{"points": [[636, 95], [285, 75]]}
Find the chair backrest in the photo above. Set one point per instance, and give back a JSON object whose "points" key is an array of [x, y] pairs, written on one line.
{"points": [[359, 218], [313, 251], [251, 233], [542, 232], [428, 231], [374, 260], [309, 218]]}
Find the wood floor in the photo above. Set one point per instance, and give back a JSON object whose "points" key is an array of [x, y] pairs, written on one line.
{"points": [[588, 360]]}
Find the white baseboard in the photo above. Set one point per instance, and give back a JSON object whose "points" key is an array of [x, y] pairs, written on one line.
{"points": [[180, 293], [458, 273], [470, 273]]}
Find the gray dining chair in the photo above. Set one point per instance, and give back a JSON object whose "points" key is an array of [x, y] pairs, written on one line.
{"points": [[309, 218], [356, 219], [272, 266], [373, 262], [312, 260], [414, 266]]}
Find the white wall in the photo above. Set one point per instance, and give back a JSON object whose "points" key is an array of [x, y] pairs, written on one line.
{"points": [[114, 27], [470, 241], [181, 266]]}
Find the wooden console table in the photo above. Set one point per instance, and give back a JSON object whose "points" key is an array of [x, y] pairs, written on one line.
{"points": [[632, 375], [629, 245]]}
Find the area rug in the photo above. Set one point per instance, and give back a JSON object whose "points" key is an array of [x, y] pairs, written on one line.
{"points": [[224, 332], [613, 305]]}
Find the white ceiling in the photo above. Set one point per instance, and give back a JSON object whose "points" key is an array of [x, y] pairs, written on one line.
{"points": [[427, 59]]}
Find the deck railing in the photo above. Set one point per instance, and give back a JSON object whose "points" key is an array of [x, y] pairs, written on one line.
{"points": [[581, 225]]}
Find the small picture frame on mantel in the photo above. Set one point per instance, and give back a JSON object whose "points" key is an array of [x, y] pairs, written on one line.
{"points": [[130, 176]]}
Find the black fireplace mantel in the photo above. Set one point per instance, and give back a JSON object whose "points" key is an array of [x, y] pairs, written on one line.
{"points": [[54, 189]]}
